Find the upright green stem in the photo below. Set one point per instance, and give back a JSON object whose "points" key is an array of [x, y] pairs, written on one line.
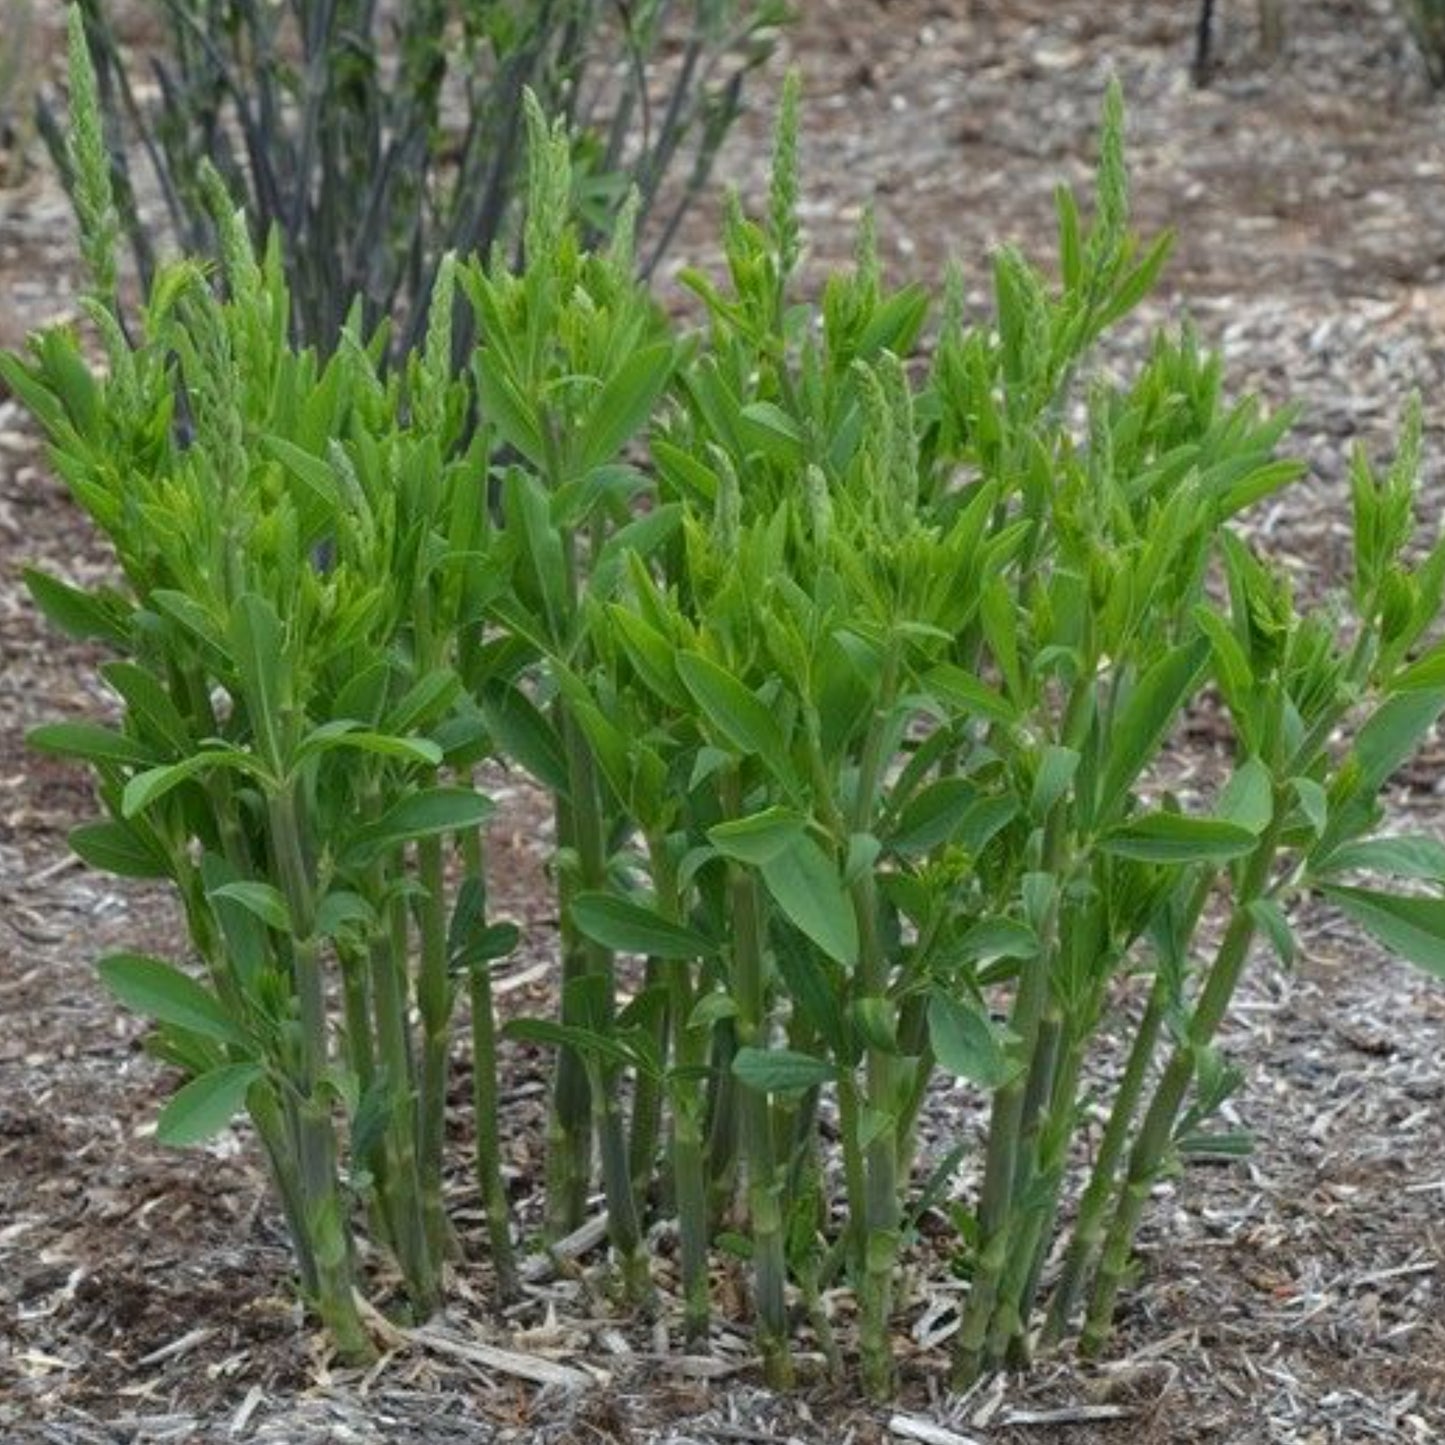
{"points": [[400, 1180], [579, 827], [880, 1204], [434, 1005], [1157, 1129], [1088, 1235], [486, 1105], [689, 1054], [322, 1198], [1002, 1165], [764, 1186]]}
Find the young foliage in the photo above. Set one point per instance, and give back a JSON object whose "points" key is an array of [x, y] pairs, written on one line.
{"points": [[853, 678]]}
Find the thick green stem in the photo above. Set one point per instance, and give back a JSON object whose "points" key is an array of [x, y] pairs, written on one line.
{"points": [[1002, 1164], [1088, 1235], [623, 1228], [1156, 1132], [486, 1104], [434, 1005], [689, 1165], [1033, 1233], [270, 1124], [763, 1183], [324, 1206], [399, 1180], [579, 826]]}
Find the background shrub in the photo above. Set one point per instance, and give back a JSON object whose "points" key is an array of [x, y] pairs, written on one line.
{"points": [[377, 137]]}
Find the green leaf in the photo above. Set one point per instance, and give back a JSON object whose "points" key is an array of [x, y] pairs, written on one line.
{"points": [[624, 404], [116, 847], [1314, 802], [711, 1009], [1414, 928], [1145, 720], [91, 743], [737, 714], [774, 433], [966, 1043], [258, 647], [587, 1042], [102, 615], [260, 900], [1427, 674], [426, 814], [525, 734], [1248, 797], [150, 709], [148, 787], [1269, 917], [1391, 735], [427, 700], [206, 1105], [876, 1022], [994, 938], [503, 406], [780, 1071], [160, 991], [1176, 838], [650, 654], [1053, 779], [758, 839], [629, 927], [933, 816], [345, 734], [966, 694], [341, 910], [1409, 856], [806, 887]]}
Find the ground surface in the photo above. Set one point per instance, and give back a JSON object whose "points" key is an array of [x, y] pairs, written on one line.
{"points": [[1298, 1298]]}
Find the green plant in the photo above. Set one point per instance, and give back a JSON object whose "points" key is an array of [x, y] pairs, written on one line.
{"points": [[884, 693], [301, 543], [378, 141], [855, 684]]}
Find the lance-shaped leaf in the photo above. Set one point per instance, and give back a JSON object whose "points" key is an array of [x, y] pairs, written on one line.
{"points": [[1408, 856], [780, 1071], [116, 847], [160, 991], [206, 1105], [626, 926], [806, 887], [258, 647], [102, 615], [737, 715], [429, 813], [1412, 927], [150, 786], [1175, 838], [1144, 721], [91, 743], [624, 404], [759, 838], [261, 900], [345, 734], [966, 1043]]}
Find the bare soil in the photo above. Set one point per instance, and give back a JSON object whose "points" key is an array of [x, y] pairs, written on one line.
{"points": [[1296, 1297]]}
